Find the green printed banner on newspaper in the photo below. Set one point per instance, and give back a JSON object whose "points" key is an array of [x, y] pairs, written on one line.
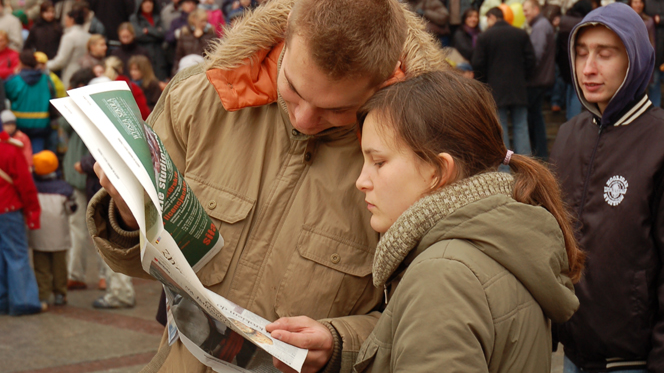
{"points": [[183, 216]]}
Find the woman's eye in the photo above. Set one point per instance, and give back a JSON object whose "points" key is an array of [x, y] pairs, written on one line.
{"points": [[379, 164]]}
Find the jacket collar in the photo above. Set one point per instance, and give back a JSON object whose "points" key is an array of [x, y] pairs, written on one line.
{"points": [[417, 220]]}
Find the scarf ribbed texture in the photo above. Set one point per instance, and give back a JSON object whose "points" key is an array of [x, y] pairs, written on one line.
{"points": [[414, 223]]}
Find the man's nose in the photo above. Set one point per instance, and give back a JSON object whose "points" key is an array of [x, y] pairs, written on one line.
{"points": [[305, 116], [590, 67]]}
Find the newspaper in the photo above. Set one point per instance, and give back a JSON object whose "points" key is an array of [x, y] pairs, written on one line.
{"points": [[177, 238]]}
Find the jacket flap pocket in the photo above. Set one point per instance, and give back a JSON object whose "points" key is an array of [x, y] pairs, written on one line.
{"points": [[221, 204], [336, 252]]}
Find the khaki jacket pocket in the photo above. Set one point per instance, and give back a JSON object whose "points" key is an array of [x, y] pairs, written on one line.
{"points": [[327, 276], [228, 211], [367, 355]]}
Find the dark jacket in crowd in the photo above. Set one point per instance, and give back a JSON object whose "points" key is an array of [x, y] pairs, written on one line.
{"points": [[176, 25], [653, 8], [126, 51], [44, 37], [462, 41], [152, 40], [504, 59], [112, 13], [543, 40], [611, 167], [190, 44], [92, 184], [567, 22]]}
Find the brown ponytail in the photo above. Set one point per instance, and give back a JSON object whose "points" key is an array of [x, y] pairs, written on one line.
{"points": [[535, 185], [441, 112]]}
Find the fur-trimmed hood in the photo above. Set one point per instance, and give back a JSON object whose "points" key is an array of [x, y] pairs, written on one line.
{"points": [[264, 28]]}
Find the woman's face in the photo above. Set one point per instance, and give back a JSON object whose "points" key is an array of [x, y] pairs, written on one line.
{"points": [[135, 73], [393, 177], [147, 6], [98, 49], [126, 37], [49, 14], [637, 5], [473, 19]]}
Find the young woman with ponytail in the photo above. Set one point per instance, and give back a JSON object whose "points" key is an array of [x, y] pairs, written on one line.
{"points": [[474, 262]]}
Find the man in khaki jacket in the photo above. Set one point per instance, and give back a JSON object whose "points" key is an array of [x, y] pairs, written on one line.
{"points": [[264, 134]]}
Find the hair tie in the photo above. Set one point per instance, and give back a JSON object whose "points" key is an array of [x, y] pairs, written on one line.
{"points": [[508, 157]]}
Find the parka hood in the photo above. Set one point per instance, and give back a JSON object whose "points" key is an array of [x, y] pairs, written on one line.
{"points": [[244, 62], [631, 29], [524, 239]]}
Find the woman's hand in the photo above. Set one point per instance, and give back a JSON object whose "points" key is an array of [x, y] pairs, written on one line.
{"points": [[304, 332]]}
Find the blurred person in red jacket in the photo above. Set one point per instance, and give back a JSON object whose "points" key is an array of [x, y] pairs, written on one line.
{"points": [[19, 206]]}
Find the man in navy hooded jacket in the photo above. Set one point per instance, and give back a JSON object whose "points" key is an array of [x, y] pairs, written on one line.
{"points": [[610, 161]]}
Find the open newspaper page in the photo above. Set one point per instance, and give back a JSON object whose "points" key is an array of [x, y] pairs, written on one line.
{"points": [[176, 236]]}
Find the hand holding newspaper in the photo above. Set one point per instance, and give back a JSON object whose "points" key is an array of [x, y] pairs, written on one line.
{"points": [[177, 238]]}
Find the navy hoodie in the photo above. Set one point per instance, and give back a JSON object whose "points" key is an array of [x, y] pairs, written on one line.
{"points": [[611, 169], [631, 29]]}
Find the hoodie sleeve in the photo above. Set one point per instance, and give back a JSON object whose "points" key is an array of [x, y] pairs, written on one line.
{"points": [[656, 356]]}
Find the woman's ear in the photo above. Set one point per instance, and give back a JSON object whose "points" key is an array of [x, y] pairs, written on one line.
{"points": [[448, 170]]}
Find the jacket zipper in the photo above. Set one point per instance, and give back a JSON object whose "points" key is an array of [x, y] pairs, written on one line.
{"points": [[590, 167]]}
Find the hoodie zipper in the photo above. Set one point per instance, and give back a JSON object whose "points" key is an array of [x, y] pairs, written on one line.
{"points": [[590, 167]]}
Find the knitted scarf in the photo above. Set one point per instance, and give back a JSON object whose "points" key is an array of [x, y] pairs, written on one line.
{"points": [[418, 219]]}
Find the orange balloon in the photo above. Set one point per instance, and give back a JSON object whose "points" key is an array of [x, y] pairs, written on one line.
{"points": [[508, 15]]}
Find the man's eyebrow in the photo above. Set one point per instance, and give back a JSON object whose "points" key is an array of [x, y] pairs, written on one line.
{"points": [[292, 87], [600, 46]]}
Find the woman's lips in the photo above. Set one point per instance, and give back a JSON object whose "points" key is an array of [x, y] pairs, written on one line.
{"points": [[370, 206]]}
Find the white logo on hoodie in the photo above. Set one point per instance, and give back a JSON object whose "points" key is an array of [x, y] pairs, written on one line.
{"points": [[615, 189]]}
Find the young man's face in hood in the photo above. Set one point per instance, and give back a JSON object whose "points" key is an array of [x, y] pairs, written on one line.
{"points": [[601, 64]]}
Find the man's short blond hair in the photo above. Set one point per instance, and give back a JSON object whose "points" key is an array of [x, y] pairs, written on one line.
{"points": [[351, 38]]}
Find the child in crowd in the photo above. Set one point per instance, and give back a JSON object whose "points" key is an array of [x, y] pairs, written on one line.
{"points": [[8, 57], [50, 243], [215, 16], [9, 126], [141, 73], [19, 206], [194, 38], [30, 92]]}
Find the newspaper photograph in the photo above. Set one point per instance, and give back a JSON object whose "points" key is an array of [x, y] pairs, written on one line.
{"points": [[177, 237]]}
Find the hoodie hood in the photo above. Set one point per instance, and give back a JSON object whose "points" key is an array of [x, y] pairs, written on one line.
{"points": [[30, 76], [630, 100], [526, 240]]}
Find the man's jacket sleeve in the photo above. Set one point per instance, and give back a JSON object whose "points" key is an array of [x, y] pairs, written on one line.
{"points": [[119, 247]]}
